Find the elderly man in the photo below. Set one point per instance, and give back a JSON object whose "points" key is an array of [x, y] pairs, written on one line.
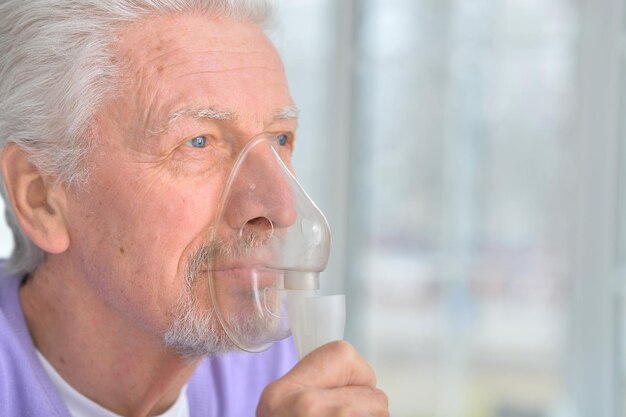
{"points": [[112, 116]]}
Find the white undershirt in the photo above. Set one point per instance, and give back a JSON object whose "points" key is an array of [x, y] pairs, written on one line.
{"points": [[81, 406]]}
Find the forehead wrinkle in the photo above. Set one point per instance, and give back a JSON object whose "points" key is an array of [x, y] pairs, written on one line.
{"points": [[191, 54], [226, 70], [162, 56]]}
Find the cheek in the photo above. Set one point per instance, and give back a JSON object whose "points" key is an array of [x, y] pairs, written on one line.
{"points": [[132, 239]]}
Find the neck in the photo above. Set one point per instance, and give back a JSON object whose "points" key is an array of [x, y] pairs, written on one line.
{"points": [[117, 364]]}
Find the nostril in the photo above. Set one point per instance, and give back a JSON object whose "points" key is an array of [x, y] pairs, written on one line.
{"points": [[256, 232]]}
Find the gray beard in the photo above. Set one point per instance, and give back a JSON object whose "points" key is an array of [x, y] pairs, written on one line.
{"points": [[195, 332]]}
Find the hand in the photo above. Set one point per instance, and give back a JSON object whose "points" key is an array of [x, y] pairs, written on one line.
{"points": [[332, 381]]}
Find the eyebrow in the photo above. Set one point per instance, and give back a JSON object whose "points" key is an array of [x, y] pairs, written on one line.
{"points": [[214, 113], [286, 113], [209, 113]]}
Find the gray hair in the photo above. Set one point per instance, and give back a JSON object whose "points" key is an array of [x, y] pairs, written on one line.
{"points": [[56, 67]]}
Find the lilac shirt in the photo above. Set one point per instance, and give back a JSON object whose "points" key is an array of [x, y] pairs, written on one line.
{"points": [[222, 386]]}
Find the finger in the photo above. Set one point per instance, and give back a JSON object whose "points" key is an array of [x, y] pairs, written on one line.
{"points": [[336, 364], [357, 401], [337, 402]]}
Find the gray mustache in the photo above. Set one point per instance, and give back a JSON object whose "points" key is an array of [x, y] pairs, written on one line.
{"points": [[223, 250]]}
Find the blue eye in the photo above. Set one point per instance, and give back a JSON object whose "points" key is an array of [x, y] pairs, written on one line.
{"points": [[198, 142], [282, 139]]}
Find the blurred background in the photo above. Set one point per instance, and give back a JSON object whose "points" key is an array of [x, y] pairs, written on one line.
{"points": [[467, 154]]}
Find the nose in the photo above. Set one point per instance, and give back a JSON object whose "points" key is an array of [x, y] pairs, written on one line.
{"points": [[261, 197]]}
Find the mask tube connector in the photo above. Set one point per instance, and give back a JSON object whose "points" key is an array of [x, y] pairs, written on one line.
{"points": [[297, 280], [314, 320]]}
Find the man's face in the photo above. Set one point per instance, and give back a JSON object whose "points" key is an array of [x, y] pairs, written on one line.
{"points": [[195, 89]]}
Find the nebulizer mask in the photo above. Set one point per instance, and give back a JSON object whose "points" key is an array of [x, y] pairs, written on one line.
{"points": [[271, 244]]}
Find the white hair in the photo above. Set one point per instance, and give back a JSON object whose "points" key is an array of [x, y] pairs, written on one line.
{"points": [[56, 67]]}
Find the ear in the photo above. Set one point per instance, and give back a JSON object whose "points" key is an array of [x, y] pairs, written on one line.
{"points": [[38, 202]]}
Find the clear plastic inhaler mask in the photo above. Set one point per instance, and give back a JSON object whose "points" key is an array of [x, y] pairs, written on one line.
{"points": [[264, 275]]}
